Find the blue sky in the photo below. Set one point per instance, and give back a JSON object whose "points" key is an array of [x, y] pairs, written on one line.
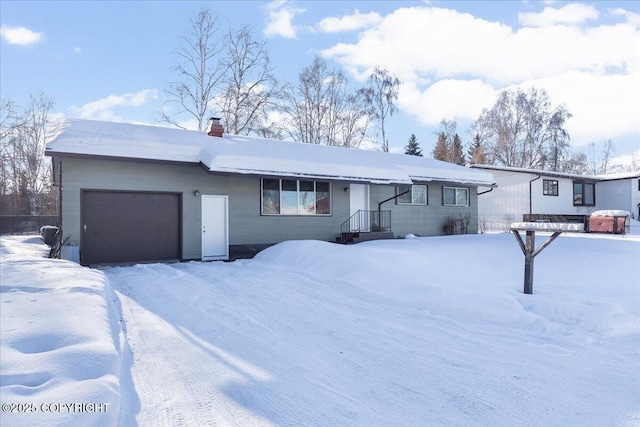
{"points": [[111, 60]]}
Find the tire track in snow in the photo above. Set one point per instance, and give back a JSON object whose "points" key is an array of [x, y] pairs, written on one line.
{"points": [[244, 344], [164, 276], [175, 378]]}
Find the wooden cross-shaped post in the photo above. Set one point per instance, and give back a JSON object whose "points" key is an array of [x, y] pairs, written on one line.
{"points": [[529, 250]]}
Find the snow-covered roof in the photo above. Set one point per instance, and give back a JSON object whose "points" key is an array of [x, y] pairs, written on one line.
{"points": [[606, 177], [534, 171], [250, 155], [621, 175]]}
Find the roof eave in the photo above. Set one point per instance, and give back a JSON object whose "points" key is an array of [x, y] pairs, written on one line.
{"points": [[587, 178], [70, 155]]}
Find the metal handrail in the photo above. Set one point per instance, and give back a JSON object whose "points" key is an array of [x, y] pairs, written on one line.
{"points": [[365, 221]]}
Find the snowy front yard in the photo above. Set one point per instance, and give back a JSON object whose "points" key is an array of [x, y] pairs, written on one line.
{"points": [[425, 331]]}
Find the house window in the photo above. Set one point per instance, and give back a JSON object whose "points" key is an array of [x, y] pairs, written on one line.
{"points": [[295, 197], [584, 194], [455, 196], [549, 187], [415, 194]]}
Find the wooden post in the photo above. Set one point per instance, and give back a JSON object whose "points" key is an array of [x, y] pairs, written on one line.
{"points": [[528, 262], [529, 250]]}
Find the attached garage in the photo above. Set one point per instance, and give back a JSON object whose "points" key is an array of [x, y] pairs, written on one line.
{"points": [[127, 226]]}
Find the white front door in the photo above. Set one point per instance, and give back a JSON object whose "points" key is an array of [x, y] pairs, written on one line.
{"points": [[215, 227], [359, 201]]}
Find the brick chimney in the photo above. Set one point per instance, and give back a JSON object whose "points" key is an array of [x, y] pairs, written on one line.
{"points": [[216, 128]]}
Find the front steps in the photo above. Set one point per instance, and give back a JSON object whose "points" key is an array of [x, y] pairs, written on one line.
{"points": [[363, 236]]}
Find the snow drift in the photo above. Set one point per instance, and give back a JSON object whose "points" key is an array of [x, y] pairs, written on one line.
{"points": [[418, 331], [60, 347]]}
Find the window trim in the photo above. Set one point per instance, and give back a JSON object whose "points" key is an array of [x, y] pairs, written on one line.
{"points": [[297, 214], [468, 201], [552, 187], [426, 195], [582, 187]]}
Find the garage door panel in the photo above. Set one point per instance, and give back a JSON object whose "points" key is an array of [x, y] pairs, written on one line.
{"points": [[130, 227]]}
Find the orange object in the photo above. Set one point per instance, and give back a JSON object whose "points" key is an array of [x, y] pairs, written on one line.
{"points": [[607, 224]]}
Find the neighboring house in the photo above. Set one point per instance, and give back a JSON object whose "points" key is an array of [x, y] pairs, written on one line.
{"points": [[138, 193], [620, 191], [528, 194]]}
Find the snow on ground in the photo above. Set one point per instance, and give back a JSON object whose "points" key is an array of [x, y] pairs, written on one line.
{"points": [[59, 360], [420, 331]]}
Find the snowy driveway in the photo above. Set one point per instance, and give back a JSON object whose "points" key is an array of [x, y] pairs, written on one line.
{"points": [[311, 334]]}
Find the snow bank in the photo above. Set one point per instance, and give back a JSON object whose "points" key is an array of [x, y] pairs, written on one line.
{"points": [[576, 285], [60, 362]]}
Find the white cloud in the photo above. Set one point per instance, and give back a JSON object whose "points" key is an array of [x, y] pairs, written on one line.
{"points": [[349, 22], [628, 162], [571, 14], [603, 106], [56, 117], [630, 17], [450, 99], [449, 72], [19, 35], [77, 50], [427, 42], [412, 42], [103, 109], [280, 19]]}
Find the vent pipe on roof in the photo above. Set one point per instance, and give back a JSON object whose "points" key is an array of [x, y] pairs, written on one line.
{"points": [[216, 128]]}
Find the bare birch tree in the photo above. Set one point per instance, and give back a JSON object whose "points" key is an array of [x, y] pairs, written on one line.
{"points": [[200, 72], [250, 87], [381, 95], [355, 121], [522, 130], [576, 162], [26, 173], [601, 163], [320, 109], [307, 103], [8, 122]]}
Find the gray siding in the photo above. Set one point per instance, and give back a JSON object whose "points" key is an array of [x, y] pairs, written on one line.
{"points": [[616, 194], [424, 220], [246, 225]]}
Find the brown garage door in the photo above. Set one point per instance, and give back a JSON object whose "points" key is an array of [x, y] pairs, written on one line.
{"points": [[119, 227]]}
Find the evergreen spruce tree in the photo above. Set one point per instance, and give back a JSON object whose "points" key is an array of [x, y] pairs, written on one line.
{"points": [[413, 147], [456, 156], [441, 150], [476, 153]]}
